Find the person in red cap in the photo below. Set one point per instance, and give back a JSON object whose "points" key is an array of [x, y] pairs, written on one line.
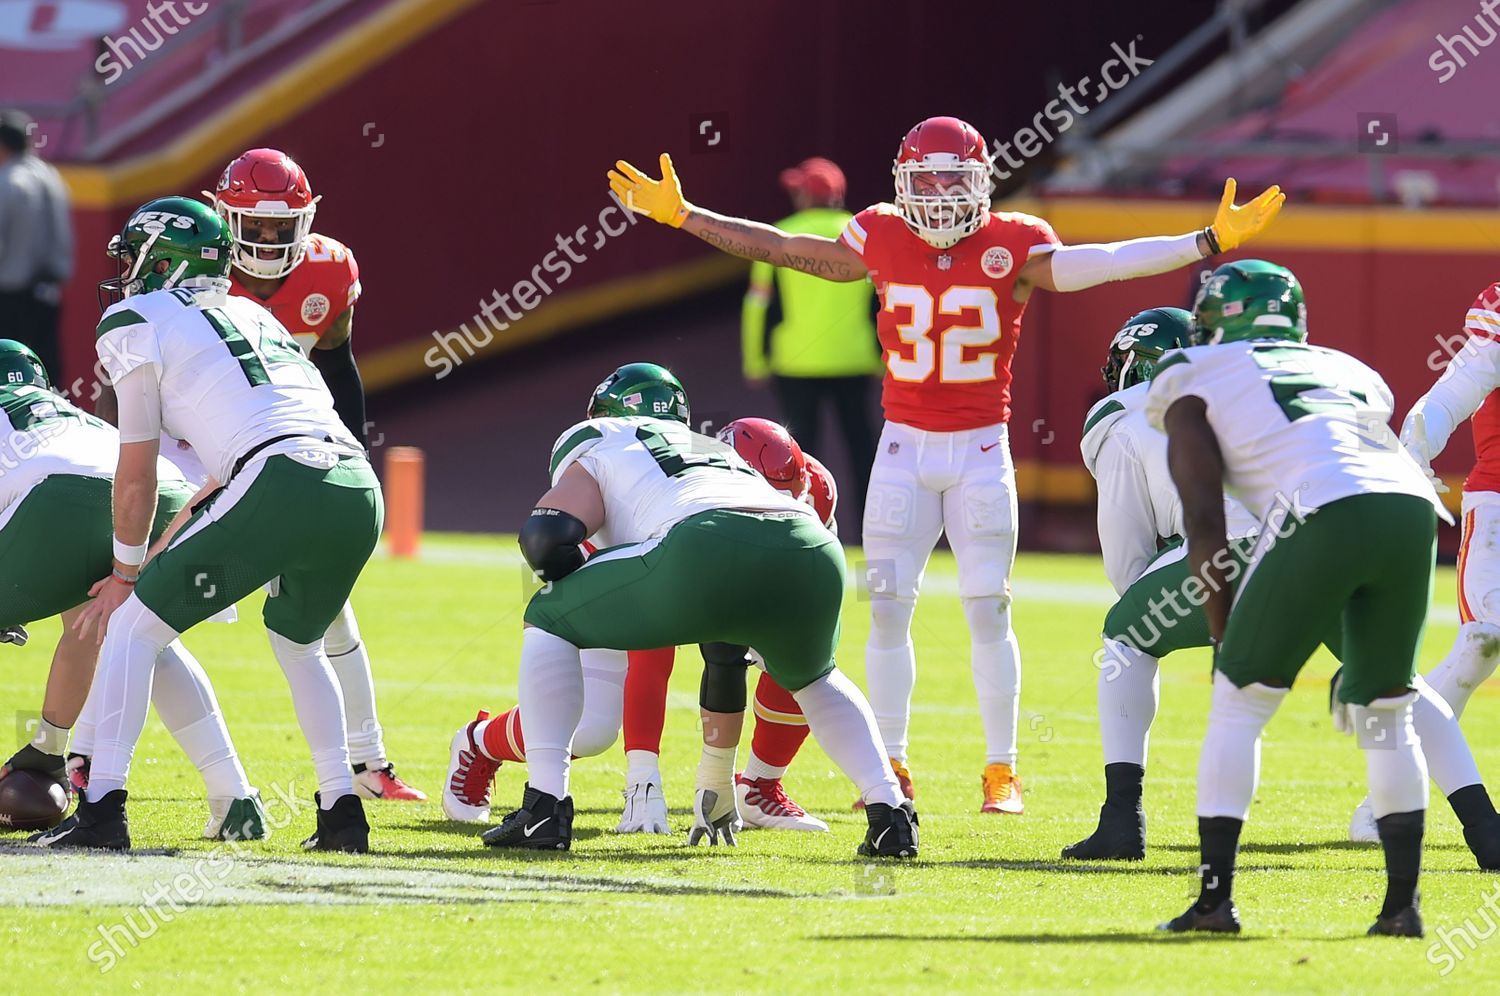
{"points": [[821, 349]]}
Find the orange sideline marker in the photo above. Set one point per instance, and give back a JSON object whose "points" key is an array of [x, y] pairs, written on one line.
{"points": [[404, 490]]}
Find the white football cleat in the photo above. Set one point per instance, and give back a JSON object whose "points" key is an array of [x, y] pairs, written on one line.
{"points": [[645, 810], [1362, 829], [763, 803], [466, 790], [237, 819]]}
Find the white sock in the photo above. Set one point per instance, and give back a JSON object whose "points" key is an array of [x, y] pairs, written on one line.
{"points": [[1469, 663], [995, 660], [603, 701], [1449, 760], [127, 664], [1395, 767], [49, 739], [82, 741], [840, 720], [891, 670], [756, 769], [1229, 763], [1129, 690], [320, 713], [552, 696], [716, 767], [185, 701], [351, 665], [642, 766]]}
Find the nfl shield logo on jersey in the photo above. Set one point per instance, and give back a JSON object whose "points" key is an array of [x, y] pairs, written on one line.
{"points": [[996, 261], [314, 308], [945, 262]]}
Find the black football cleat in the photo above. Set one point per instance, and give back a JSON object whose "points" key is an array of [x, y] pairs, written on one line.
{"points": [[341, 827], [543, 823], [99, 824], [892, 831], [1403, 923], [1222, 919], [1484, 840], [1120, 836]]}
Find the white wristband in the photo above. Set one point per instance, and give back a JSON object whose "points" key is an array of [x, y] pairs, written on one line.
{"points": [[129, 553]]}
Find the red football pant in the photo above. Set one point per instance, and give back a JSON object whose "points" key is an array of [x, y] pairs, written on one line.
{"points": [[646, 698], [780, 727]]}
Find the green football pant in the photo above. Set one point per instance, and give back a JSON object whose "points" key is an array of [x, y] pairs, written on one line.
{"points": [[1365, 560], [1156, 616], [774, 582], [310, 529], [57, 541]]}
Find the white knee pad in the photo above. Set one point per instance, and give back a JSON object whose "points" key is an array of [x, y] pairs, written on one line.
{"points": [[1475, 654], [980, 521], [988, 617], [1229, 764], [890, 621], [343, 633]]}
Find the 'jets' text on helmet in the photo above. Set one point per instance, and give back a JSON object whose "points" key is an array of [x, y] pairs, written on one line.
{"points": [[1140, 343], [640, 389], [1250, 299], [168, 242], [19, 365]]}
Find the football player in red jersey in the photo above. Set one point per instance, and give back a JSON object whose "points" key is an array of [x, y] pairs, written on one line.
{"points": [[953, 279], [310, 282]]}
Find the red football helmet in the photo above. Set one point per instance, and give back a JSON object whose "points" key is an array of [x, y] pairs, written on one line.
{"points": [[266, 185], [771, 450], [822, 491], [944, 180]]}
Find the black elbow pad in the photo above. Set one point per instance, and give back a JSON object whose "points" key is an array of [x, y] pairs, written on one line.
{"points": [[550, 543], [723, 685]]}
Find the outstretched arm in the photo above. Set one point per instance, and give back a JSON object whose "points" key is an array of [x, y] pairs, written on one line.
{"points": [[662, 201], [1071, 268]]}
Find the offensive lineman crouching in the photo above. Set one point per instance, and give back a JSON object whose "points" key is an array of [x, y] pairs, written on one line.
{"points": [[695, 548]]}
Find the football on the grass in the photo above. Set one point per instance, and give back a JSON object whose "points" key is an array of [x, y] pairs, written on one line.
{"points": [[29, 800]]}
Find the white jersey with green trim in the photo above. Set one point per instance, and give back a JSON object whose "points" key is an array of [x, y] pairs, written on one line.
{"points": [[230, 375], [1299, 426], [1139, 507], [45, 435], [654, 473]]}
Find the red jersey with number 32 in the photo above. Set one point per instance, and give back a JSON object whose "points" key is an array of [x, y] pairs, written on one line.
{"points": [[321, 288], [948, 322], [1483, 321]]}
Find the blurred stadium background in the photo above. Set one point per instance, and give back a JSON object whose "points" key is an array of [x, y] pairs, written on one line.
{"points": [[454, 141]]}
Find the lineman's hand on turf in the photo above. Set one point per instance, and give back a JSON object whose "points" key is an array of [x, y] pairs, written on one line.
{"points": [[661, 200]]}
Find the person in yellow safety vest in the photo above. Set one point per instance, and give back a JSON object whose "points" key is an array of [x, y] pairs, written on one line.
{"points": [[821, 348]]}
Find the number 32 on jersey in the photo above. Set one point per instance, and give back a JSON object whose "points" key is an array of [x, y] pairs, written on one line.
{"points": [[978, 325]]}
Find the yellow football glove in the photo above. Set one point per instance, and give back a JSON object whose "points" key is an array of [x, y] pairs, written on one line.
{"points": [[1234, 226], [660, 199]]}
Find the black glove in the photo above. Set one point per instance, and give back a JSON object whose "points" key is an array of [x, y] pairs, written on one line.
{"points": [[28, 758], [15, 634]]}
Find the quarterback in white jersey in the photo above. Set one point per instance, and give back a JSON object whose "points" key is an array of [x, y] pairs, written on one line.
{"points": [[1298, 433], [223, 374], [54, 543], [706, 552]]}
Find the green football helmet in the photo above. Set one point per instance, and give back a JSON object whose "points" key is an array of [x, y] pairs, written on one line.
{"points": [[167, 243], [640, 389], [19, 365], [1140, 343], [1250, 299]]}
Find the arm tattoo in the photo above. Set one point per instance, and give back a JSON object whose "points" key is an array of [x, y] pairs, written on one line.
{"points": [[817, 267]]}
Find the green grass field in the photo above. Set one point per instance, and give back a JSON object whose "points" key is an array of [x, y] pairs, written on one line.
{"points": [[988, 905]]}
